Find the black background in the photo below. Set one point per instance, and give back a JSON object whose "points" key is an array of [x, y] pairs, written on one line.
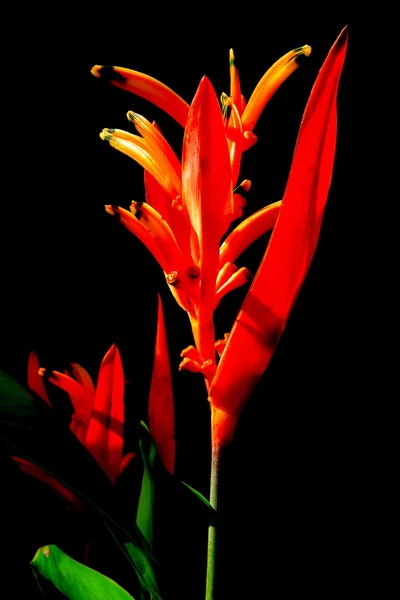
{"points": [[74, 281]]}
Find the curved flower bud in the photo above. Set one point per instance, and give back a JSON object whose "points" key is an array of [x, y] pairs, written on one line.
{"points": [[161, 401], [248, 231], [235, 92], [139, 230], [150, 158], [176, 219], [155, 139], [146, 87], [269, 83], [240, 277]]}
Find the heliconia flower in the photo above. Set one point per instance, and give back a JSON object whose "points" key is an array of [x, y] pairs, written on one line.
{"points": [[161, 402], [267, 306], [190, 206], [97, 421]]}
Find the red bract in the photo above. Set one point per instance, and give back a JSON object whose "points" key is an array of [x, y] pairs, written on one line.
{"points": [[267, 306], [98, 417], [161, 401]]}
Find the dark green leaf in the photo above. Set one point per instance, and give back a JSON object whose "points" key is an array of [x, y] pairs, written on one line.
{"points": [[144, 517]]}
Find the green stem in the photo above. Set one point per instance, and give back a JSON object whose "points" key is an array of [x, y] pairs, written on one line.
{"points": [[210, 579]]}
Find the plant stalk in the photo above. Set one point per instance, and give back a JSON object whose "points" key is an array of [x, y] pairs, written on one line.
{"points": [[210, 578]]}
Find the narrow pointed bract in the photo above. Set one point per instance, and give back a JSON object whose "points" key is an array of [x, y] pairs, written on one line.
{"points": [[206, 176], [104, 438], [267, 306], [161, 402]]}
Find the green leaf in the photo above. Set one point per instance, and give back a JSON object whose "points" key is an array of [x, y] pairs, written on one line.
{"points": [[144, 517], [75, 580], [161, 476], [200, 497], [32, 429]]}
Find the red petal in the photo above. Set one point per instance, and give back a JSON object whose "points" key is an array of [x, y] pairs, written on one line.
{"points": [[161, 400], [266, 308], [35, 382], [81, 399], [34, 471], [83, 377], [104, 438], [207, 194]]}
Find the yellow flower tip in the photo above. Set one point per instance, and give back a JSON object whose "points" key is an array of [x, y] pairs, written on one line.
{"points": [[42, 371], [245, 186], [250, 139], [106, 135], [110, 209], [306, 50], [131, 116], [231, 57], [96, 71]]}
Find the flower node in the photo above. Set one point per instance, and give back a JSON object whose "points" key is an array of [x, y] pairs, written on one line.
{"points": [[173, 278], [193, 272]]}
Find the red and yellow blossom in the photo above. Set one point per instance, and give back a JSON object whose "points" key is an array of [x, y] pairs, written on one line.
{"points": [[190, 204]]}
